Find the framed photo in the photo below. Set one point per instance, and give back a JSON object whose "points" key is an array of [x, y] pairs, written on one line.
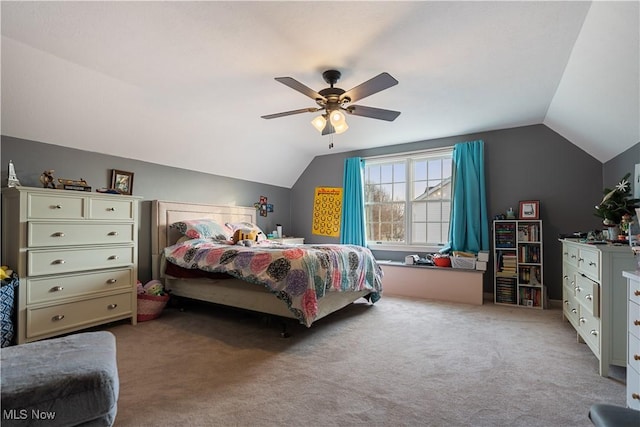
{"points": [[122, 181], [529, 209]]}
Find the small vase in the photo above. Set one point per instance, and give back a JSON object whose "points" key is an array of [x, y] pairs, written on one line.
{"points": [[613, 232]]}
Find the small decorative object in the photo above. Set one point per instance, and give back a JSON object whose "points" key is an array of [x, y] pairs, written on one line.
{"points": [[12, 180], [122, 181], [263, 206], [74, 184], [616, 203], [511, 214], [529, 209], [47, 179]]}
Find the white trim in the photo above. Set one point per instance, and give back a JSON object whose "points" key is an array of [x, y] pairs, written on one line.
{"points": [[404, 248], [435, 152]]}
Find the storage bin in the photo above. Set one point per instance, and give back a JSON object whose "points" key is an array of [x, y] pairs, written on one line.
{"points": [[150, 306], [8, 290]]}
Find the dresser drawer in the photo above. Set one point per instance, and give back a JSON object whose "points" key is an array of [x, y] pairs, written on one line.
{"points": [[589, 263], [41, 234], [634, 291], [41, 262], [633, 389], [570, 255], [111, 209], [633, 315], [68, 286], [56, 318], [589, 328], [570, 305], [633, 358], [55, 206], [587, 294]]}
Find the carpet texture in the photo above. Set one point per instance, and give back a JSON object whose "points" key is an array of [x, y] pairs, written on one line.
{"points": [[400, 362]]}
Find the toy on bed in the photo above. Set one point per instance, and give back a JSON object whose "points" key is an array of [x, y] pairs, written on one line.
{"points": [[246, 237]]}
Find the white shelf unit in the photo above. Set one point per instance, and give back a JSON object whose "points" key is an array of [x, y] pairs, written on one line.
{"points": [[518, 265]]}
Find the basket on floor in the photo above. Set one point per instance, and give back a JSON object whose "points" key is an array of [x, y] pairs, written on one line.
{"points": [[150, 306]]}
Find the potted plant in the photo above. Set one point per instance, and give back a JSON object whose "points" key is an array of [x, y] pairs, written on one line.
{"points": [[616, 204]]}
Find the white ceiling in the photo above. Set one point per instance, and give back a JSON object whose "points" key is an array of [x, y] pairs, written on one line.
{"points": [[185, 83]]}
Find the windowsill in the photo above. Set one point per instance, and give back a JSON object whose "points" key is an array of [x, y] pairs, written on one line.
{"points": [[408, 248]]}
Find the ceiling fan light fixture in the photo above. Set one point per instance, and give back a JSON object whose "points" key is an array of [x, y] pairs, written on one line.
{"points": [[340, 128], [337, 118], [319, 123]]}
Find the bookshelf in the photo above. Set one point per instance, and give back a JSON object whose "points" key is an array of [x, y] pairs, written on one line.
{"points": [[517, 254]]}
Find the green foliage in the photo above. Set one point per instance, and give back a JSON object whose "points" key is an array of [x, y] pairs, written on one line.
{"points": [[617, 202]]}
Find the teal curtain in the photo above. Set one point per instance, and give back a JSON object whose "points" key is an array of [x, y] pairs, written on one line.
{"points": [[352, 226], [469, 227]]}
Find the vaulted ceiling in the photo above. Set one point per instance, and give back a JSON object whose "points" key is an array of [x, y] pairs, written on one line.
{"points": [[185, 83]]}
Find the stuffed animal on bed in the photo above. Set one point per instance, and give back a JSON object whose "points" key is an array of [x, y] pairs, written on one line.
{"points": [[246, 237]]}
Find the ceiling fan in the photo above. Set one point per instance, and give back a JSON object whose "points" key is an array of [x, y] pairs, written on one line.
{"points": [[335, 101]]}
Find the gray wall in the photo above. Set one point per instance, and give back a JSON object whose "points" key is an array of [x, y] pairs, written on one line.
{"points": [[150, 181], [525, 163], [531, 162]]}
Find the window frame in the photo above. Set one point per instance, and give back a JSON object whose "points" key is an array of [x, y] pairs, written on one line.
{"points": [[408, 158]]}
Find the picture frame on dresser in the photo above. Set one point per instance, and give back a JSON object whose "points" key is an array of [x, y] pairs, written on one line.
{"points": [[529, 209], [122, 181]]}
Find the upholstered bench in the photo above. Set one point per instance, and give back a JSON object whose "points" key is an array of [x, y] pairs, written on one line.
{"points": [[65, 381]]}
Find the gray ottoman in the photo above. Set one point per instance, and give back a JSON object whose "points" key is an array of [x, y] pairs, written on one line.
{"points": [[66, 381]]}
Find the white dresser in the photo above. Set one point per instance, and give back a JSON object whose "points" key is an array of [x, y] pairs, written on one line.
{"points": [[76, 255], [633, 339], [594, 295]]}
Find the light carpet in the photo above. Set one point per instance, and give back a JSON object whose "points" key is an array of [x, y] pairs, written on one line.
{"points": [[399, 362]]}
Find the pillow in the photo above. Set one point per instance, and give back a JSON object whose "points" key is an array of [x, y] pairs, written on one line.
{"points": [[203, 229], [247, 227]]}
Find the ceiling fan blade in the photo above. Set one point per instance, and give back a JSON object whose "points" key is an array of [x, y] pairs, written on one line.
{"points": [[380, 82], [372, 112], [289, 113], [296, 85]]}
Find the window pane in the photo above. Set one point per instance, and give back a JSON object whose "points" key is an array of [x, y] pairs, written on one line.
{"points": [[420, 170], [419, 212], [399, 172], [434, 232], [399, 192], [419, 233], [419, 190], [434, 211], [373, 175], [386, 173], [434, 167]]}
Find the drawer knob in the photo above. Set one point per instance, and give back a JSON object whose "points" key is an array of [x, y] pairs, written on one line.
{"points": [[112, 233], [591, 263], [583, 320], [636, 357], [58, 234], [580, 259], [56, 289], [637, 293], [588, 297], [573, 256], [58, 261], [573, 310], [594, 332], [566, 302], [565, 277], [114, 257], [578, 289], [57, 207], [112, 306], [111, 209], [636, 322], [57, 317], [112, 281], [635, 396]]}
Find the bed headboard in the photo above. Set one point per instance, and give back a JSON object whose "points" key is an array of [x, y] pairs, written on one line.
{"points": [[164, 213]]}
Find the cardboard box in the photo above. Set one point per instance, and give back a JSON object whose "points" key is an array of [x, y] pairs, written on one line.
{"points": [[483, 256], [481, 265]]}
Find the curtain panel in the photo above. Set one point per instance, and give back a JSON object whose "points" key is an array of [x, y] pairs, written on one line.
{"points": [[352, 226]]}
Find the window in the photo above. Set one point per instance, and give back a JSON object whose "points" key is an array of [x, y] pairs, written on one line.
{"points": [[408, 199]]}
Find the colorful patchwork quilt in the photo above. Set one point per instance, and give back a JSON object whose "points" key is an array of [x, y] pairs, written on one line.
{"points": [[297, 274]]}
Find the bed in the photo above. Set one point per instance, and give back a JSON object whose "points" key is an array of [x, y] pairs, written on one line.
{"points": [[249, 292]]}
